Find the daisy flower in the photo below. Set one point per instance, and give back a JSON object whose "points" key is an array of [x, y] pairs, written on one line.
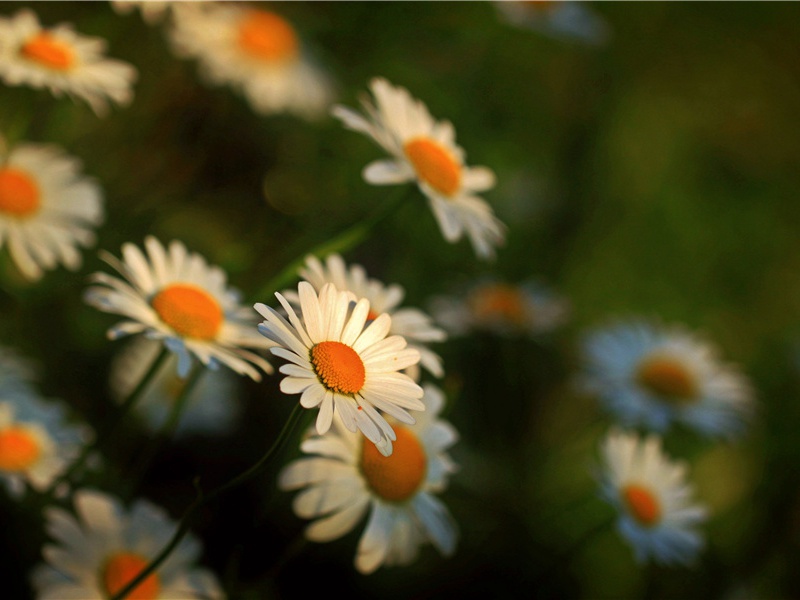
{"points": [[255, 51], [177, 297], [36, 442], [337, 363], [101, 548], [213, 404], [649, 491], [413, 324], [62, 61], [502, 308], [425, 151], [345, 478], [562, 19], [47, 208], [651, 375]]}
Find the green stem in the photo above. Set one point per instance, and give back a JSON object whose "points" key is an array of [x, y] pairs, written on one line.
{"points": [[183, 526], [123, 411]]}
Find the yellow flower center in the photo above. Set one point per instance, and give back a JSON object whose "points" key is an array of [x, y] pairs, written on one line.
{"points": [[19, 450], [266, 36], [46, 50], [499, 300], [190, 311], [668, 378], [19, 194], [642, 504], [397, 477], [120, 569], [434, 165], [338, 367]]}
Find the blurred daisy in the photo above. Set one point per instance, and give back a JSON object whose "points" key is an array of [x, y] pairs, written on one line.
{"points": [[651, 375], [257, 52], [62, 61], [413, 324], [337, 363], [16, 375], [100, 549], [562, 19], [152, 11], [36, 442], [502, 308], [177, 297], [47, 208], [425, 151], [213, 404], [656, 514], [344, 478]]}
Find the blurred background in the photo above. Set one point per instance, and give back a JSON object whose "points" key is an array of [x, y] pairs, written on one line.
{"points": [[651, 172]]}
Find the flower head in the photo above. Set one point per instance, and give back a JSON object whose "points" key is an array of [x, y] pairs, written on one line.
{"points": [[255, 51], [656, 514], [175, 296], [104, 546], [425, 151], [47, 208], [411, 323], [62, 61], [337, 363], [651, 375], [344, 478]]}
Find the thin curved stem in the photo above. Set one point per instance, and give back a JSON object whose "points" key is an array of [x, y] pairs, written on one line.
{"points": [[183, 526]]}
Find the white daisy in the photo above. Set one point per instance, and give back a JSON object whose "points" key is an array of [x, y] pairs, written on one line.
{"points": [[36, 442], [413, 324], [62, 61], [425, 151], [651, 375], [503, 308], [338, 364], [47, 208], [344, 478], [564, 19], [152, 11], [176, 296], [656, 513], [255, 51], [212, 407], [103, 547]]}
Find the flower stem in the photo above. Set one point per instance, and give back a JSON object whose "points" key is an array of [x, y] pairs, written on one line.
{"points": [[183, 526], [100, 439]]}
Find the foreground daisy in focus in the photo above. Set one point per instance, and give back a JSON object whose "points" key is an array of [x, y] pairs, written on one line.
{"points": [[564, 19], [339, 363], [344, 478], [104, 546], [254, 51], [656, 514], [502, 308], [37, 443], [411, 323], [62, 61], [47, 208], [212, 406], [425, 150], [175, 296], [651, 375]]}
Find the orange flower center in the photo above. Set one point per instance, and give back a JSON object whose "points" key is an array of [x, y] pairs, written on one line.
{"points": [[19, 194], [642, 504], [19, 450], [372, 315], [540, 5], [503, 301], [190, 311], [434, 165], [266, 36], [46, 50], [397, 477], [338, 367], [120, 569], [668, 378]]}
